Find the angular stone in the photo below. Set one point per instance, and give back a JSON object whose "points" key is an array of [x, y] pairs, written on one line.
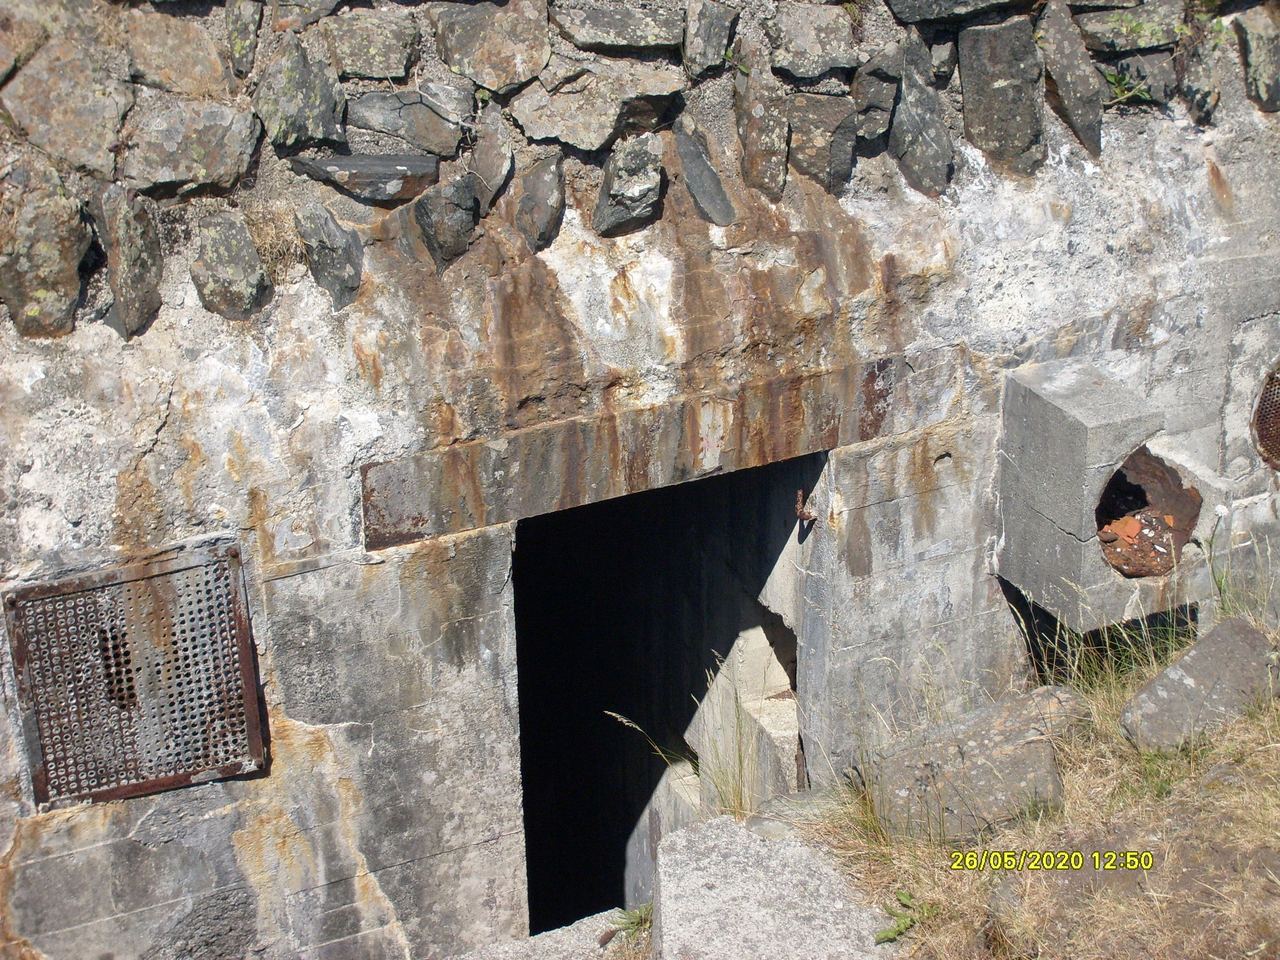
{"points": [[174, 53], [19, 39], [492, 159], [1223, 674], [810, 39], [43, 238], [709, 26], [597, 25], [172, 143], [918, 138], [1001, 75], [700, 176], [69, 106], [299, 99], [874, 90], [541, 205], [378, 178], [243, 18], [760, 114], [953, 781], [1199, 85], [227, 271], [824, 130], [499, 47], [128, 229], [335, 254], [944, 58], [632, 185], [913, 11], [446, 218], [1154, 73], [1072, 83], [1259, 32], [372, 43], [723, 892], [587, 104], [429, 117], [292, 14], [1155, 23]]}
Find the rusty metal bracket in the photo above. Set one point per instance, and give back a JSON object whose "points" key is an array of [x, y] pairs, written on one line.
{"points": [[137, 678]]}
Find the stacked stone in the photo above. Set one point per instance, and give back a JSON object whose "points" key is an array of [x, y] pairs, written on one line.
{"points": [[114, 133]]}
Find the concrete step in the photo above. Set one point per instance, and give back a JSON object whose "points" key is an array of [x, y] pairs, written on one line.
{"points": [[579, 941]]}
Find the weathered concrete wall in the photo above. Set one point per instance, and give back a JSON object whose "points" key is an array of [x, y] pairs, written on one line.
{"points": [[870, 318]]}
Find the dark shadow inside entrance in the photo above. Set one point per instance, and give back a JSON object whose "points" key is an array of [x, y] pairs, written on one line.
{"points": [[624, 606]]}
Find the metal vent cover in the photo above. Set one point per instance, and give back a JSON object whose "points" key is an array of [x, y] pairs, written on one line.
{"points": [[1266, 421], [136, 679]]}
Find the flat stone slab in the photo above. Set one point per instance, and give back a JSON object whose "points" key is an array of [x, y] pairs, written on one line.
{"points": [[1225, 672], [724, 893], [381, 178]]}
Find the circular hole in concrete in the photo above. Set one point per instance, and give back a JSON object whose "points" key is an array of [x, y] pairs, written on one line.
{"points": [[1145, 516], [1266, 421]]}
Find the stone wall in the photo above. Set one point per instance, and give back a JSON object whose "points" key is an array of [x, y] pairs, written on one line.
{"points": [[364, 287]]}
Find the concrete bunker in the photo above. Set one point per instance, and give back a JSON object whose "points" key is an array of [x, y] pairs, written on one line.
{"points": [[645, 607], [1145, 516]]}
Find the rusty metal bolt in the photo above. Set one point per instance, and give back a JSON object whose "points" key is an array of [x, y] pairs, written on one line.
{"points": [[233, 552], [803, 513], [11, 601]]}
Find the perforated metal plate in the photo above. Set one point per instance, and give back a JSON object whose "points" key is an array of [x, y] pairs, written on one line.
{"points": [[136, 679], [1266, 421]]}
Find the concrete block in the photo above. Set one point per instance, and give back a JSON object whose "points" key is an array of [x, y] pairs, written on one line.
{"points": [[676, 803]]}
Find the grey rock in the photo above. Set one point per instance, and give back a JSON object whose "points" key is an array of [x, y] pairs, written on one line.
{"points": [[875, 89], [540, 207], [810, 39], [788, 815], [724, 893], [129, 232], [1258, 30], [335, 254], [299, 99], [227, 271], [596, 25], [1222, 675], [1152, 72], [632, 185], [587, 105], [429, 118], [1155, 23], [176, 54], [69, 106], [918, 138], [824, 130], [760, 114], [913, 11], [446, 218], [944, 58], [243, 18], [372, 43], [492, 159], [953, 781], [700, 176], [709, 27], [499, 47], [19, 39], [43, 238], [292, 14], [1075, 89], [378, 178], [1199, 85], [1001, 75], [172, 143]]}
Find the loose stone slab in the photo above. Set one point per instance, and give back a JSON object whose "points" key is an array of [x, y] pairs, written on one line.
{"points": [[299, 98], [540, 207], [68, 105], [292, 14], [492, 159], [446, 218], [595, 25], [176, 54], [918, 137], [913, 11], [372, 43], [1259, 31], [335, 254], [760, 112], [499, 47], [709, 27], [1073, 84], [1222, 675], [824, 130], [700, 176], [1001, 75], [379, 178], [243, 18], [228, 272], [175, 144], [429, 117], [723, 892], [43, 238], [810, 39], [953, 781], [19, 39], [1155, 23], [128, 229], [875, 89], [632, 185]]}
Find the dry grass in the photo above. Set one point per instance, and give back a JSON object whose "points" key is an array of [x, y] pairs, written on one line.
{"points": [[270, 224], [1195, 809]]}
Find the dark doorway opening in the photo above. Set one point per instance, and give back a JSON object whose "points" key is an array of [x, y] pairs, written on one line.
{"points": [[625, 607]]}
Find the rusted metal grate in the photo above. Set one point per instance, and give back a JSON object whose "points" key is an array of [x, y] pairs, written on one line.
{"points": [[1266, 421], [136, 679]]}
